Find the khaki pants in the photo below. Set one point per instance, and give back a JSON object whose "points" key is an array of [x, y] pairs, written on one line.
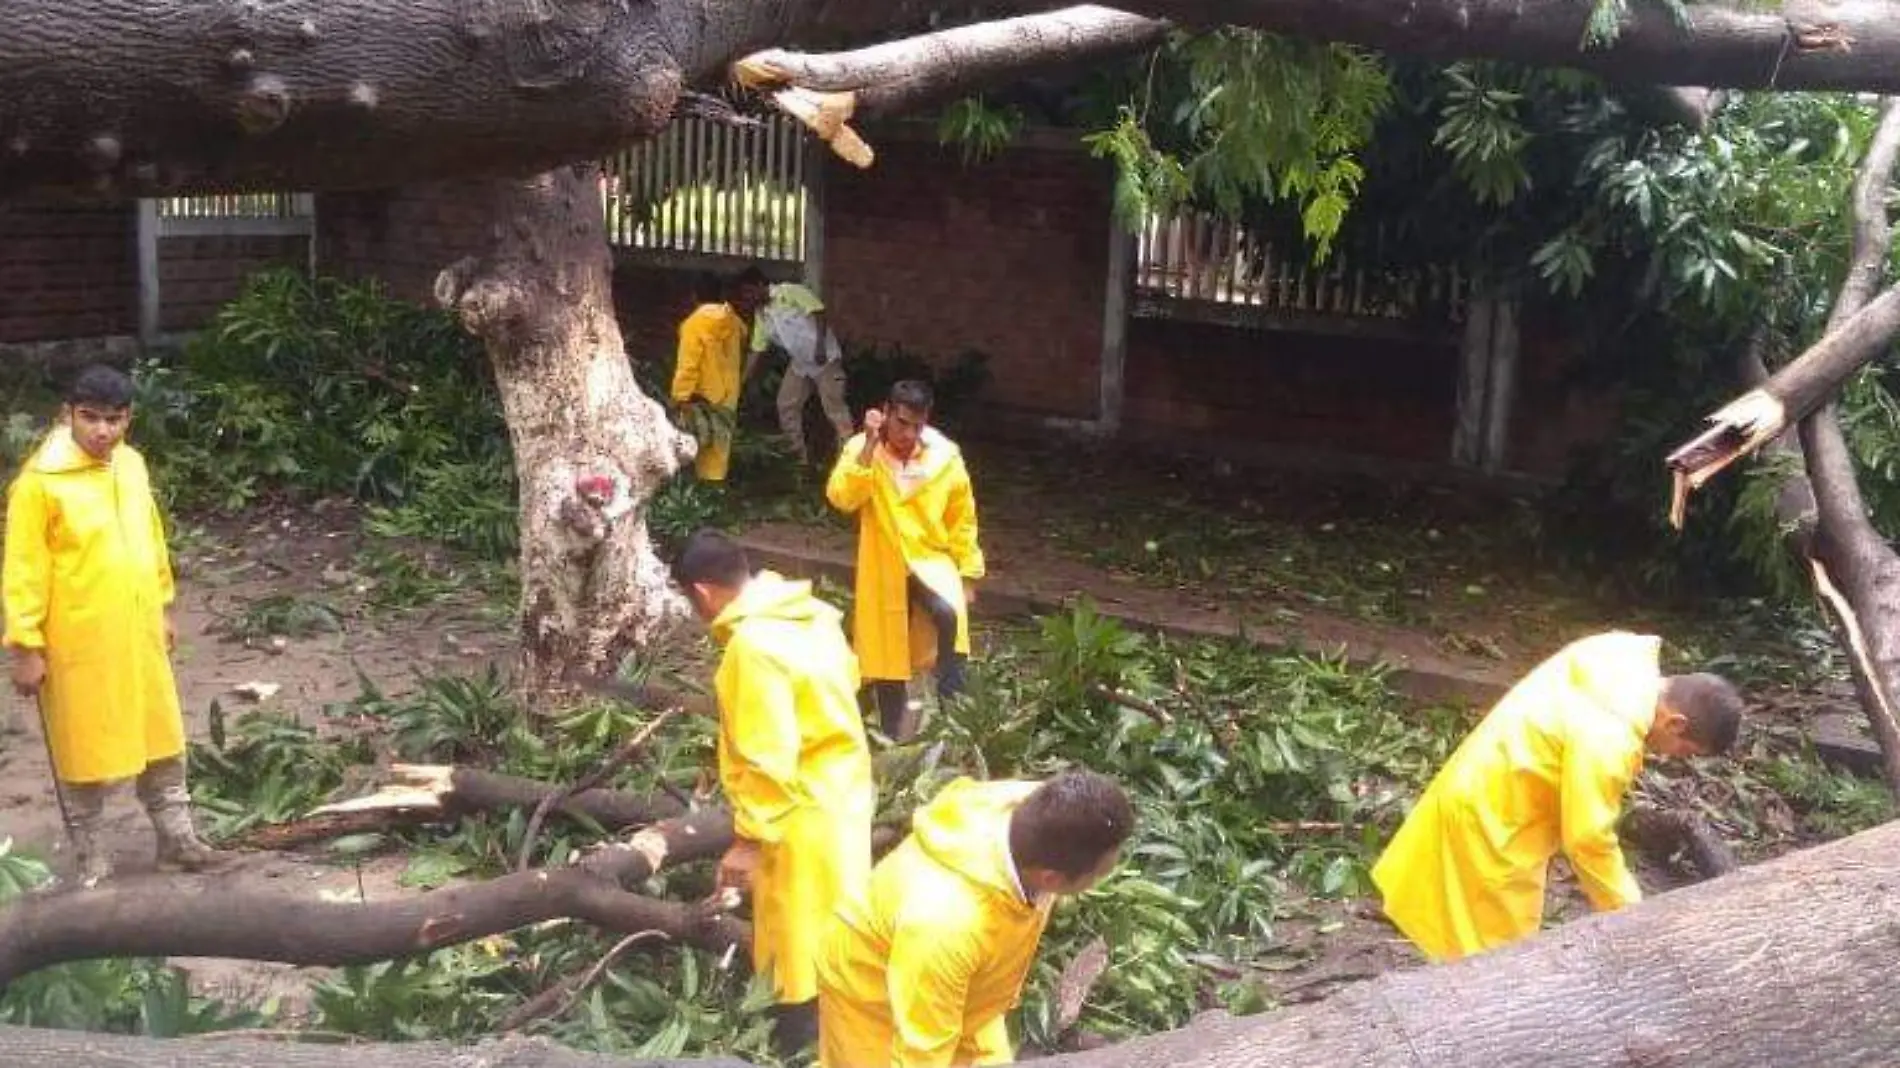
{"points": [[796, 390]]}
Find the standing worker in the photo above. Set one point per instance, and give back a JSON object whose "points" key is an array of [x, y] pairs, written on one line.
{"points": [[711, 363], [1546, 770], [793, 319], [88, 593], [793, 762], [917, 546], [920, 973]]}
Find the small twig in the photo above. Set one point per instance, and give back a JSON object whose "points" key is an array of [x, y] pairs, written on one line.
{"points": [[569, 990], [619, 759], [1305, 827], [1130, 701]]}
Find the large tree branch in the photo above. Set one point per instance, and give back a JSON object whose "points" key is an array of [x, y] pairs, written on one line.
{"points": [[1797, 44], [187, 916], [825, 91]]}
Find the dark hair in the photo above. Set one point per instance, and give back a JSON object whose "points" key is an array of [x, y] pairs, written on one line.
{"points": [[708, 288], [712, 558], [1711, 705], [97, 385], [751, 276], [914, 394], [1070, 823]]}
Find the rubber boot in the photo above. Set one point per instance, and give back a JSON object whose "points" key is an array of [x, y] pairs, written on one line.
{"points": [[161, 789], [85, 806]]}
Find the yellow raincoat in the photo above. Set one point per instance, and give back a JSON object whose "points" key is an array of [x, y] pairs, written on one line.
{"points": [[921, 972], [914, 519], [87, 578], [1546, 769], [711, 351], [796, 769]]}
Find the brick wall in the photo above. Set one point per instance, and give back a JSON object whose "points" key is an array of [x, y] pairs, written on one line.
{"points": [[404, 237], [1007, 257], [198, 275], [1198, 382], [67, 271]]}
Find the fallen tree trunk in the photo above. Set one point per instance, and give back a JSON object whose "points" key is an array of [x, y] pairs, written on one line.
{"points": [[1783, 964], [190, 916], [26, 1046]]}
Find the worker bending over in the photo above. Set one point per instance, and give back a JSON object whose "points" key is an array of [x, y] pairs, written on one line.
{"points": [[917, 548], [793, 762], [1545, 770], [920, 972]]}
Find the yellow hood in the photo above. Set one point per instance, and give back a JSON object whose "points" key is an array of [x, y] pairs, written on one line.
{"points": [[771, 596], [1621, 673], [59, 454], [966, 829]]}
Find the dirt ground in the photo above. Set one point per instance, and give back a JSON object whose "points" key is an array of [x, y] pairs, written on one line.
{"points": [[225, 567]]}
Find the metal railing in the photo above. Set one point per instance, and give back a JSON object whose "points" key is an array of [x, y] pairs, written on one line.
{"points": [[714, 189], [1200, 257], [238, 206]]}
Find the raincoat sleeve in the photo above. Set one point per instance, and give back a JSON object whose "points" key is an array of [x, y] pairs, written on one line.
{"points": [[27, 570], [929, 976], [852, 483], [1596, 774], [960, 518], [692, 352], [167, 590], [758, 763]]}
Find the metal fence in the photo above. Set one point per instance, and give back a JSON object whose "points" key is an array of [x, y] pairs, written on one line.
{"points": [[1200, 257], [238, 206], [703, 187]]}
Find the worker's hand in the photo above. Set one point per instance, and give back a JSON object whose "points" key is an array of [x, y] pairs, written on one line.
{"points": [[29, 671], [171, 632], [873, 424], [969, 593], [738, 867]]}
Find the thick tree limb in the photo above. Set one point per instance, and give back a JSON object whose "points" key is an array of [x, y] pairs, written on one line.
{"points": [[77, 1049], [1796, 44], [164, 916], [826, 91], [1763, 414], [420, 794], [1665, 833]]}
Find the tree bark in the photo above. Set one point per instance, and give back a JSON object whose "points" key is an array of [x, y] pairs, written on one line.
{"points": [[590, 449], [1782, 964], [76, 1049], [163, 916], [154, 97]]}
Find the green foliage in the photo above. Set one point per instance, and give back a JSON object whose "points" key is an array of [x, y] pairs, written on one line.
{"points": [[324, 387], [1483, 131], [1224, 117], [978, 127], [266, 768]]}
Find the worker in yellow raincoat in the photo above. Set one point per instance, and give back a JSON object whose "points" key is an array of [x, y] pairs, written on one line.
{"points": [[917, 548], [711, 364], [921, 971], [793, 761], [87, 591], [1545, 770]]}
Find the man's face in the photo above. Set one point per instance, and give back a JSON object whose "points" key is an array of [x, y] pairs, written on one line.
{"points": [[1049, 882], [748, 299], [903, 425], [98, 429]]}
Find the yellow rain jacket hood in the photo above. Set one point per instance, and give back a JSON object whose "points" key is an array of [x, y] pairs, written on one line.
{"points": [[710, 365], [916, 519], [922, 971], [795, 768], [1545, 770], [87, 577]]}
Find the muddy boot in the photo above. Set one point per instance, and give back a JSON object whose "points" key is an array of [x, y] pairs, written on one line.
{"points": [[85, 805], [161, 790]]}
